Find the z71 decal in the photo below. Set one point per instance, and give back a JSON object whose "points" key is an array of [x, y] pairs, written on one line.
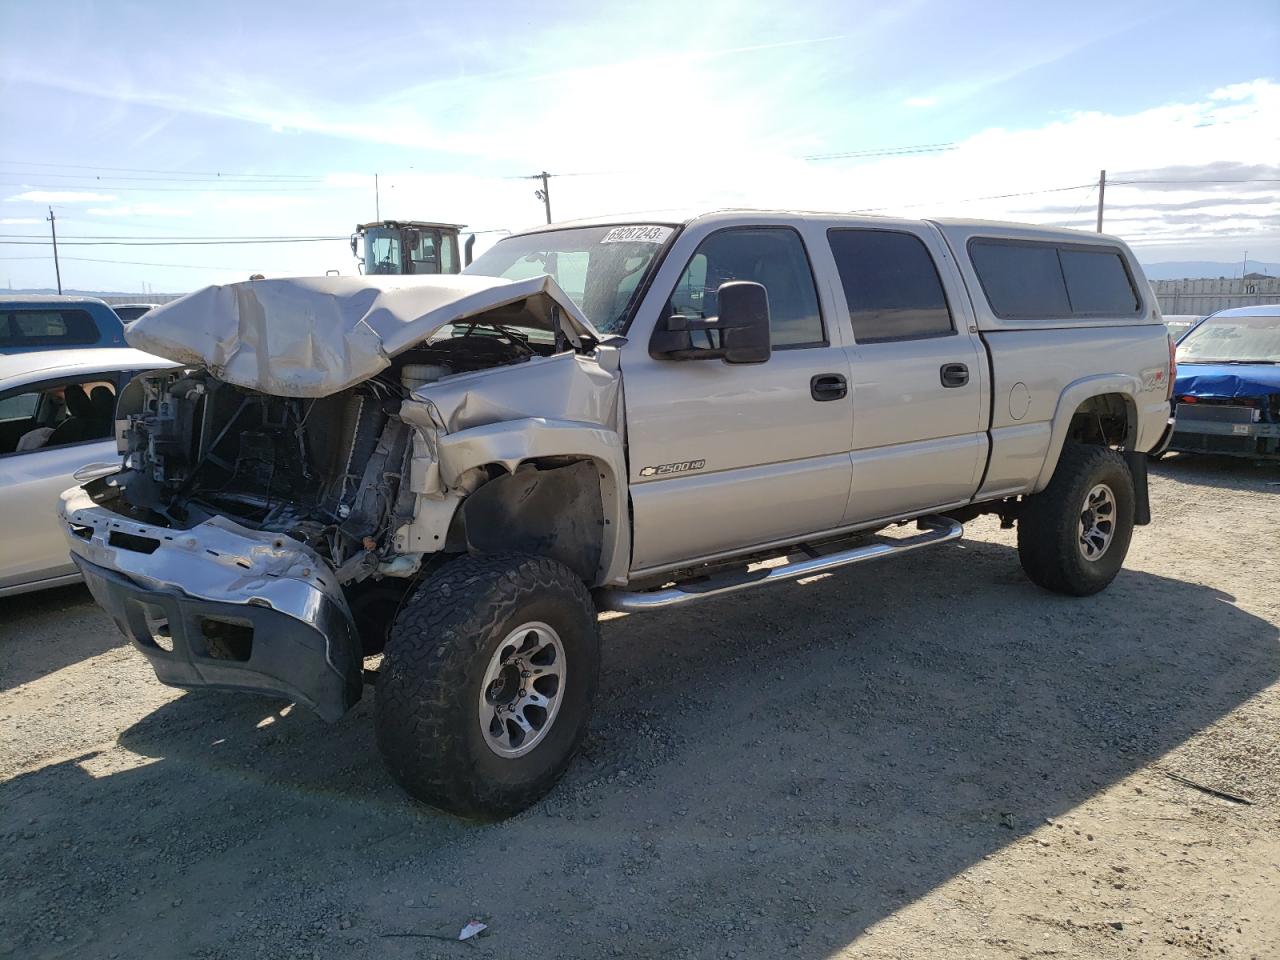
{"points": [[666, 469], [1153, 379]]}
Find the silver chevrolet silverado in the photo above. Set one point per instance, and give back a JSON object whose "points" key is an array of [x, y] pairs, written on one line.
{"points": [[458, 472]]}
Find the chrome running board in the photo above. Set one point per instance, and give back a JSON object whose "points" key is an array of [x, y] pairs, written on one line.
{"points": [[936, 530]]}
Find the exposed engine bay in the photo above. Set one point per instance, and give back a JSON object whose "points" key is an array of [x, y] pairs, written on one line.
{"points": [[329, 471], [319, 446]]}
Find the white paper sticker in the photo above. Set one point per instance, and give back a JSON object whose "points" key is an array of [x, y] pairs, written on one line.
{"points": [[637, 234]]}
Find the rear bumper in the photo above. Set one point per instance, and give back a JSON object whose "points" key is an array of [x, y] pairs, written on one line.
{"points": [[1165, 439], [1221, 437], [221, 606]]}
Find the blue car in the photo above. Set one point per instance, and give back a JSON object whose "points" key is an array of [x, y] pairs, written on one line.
{"points": [[1227, 388], [30, 322]]}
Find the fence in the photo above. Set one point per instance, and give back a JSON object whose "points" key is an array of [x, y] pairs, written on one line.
{"points": [[1202, 297]]}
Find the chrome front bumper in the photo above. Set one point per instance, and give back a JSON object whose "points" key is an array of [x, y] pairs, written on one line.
{"points": [[220, 605]]}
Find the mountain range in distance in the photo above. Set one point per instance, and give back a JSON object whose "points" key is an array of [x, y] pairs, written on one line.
{"points": [[1205, 269]]}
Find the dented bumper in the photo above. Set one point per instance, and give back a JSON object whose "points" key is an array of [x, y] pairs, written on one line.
{"points": [[221, 606]]}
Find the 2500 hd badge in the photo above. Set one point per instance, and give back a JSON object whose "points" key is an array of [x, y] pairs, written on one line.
{"points": [[666, 469]]}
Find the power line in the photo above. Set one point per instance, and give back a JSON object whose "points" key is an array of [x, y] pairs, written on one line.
{"points": [[32, 239], [187, 236], [113, 187], [142, 263], [166, 243], [1032, 193], [575, 173], [198, 173], [109, 179], [1238, 180], [990, 196], [1077, 210], [885, 152]]}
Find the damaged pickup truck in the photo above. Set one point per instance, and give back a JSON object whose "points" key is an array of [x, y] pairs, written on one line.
{"points": [[460, 471]]}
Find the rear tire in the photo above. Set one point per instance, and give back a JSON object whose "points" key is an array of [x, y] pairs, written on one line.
{"points": [[485, 690], [1074, 534]]}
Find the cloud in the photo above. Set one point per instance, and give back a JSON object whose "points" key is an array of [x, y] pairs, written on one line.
{"points": [[754, 162], [921, 101], [1239, 91], [59, 196], [19, 221]]}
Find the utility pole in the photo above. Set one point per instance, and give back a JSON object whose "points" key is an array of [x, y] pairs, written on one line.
{"points": [[545, 193], [1102, 193], [54, 231], [377, 201]]}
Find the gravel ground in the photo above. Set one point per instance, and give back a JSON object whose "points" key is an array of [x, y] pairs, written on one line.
{"points": [[928, 757]]}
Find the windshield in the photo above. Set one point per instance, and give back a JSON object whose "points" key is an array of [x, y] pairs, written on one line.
{"points": [[382, 251], [600, 268], [1226, 338]]}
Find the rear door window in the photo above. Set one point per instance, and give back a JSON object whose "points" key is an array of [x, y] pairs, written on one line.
{"points": [[46, 328], [891, 286]]}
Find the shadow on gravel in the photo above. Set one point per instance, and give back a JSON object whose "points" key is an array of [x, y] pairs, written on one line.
{"points": [[768, 775], [73, 622], [1228, 473]]}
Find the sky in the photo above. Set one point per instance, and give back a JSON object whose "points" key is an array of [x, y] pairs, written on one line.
{"points": [[148, 126]]}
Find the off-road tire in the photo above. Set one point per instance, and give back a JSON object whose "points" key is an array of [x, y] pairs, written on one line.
{"points": [[429, 684], [1049, 523]]}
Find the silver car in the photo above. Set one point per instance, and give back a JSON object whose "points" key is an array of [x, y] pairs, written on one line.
{"points": [[57, 415]]}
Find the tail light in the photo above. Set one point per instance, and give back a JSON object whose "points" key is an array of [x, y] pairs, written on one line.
{"points": [[1173, 367]]}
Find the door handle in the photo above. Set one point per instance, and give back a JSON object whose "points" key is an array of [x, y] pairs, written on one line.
{"points": [[954, 374], [828, 386]]}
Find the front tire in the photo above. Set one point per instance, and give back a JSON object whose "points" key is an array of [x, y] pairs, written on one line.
{"points": [[1074, 534], [485, 689]]}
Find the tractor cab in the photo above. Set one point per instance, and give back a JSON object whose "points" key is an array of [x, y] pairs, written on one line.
{"points": [[409, 247]]}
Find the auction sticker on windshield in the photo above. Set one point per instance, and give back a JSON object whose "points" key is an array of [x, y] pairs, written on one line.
{"points": [[637, 234]]}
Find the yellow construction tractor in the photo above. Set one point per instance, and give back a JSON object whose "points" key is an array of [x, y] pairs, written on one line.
{"points": [[410, 246]]}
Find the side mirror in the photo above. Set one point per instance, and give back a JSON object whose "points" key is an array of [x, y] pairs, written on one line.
{"points": [[738, 334], [353, 246]]}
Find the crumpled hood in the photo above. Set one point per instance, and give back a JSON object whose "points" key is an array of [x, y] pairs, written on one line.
{"points": [[1226, 379], [314, 336]]}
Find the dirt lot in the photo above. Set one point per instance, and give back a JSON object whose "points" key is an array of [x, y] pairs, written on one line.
{"points": [[929, 757]]}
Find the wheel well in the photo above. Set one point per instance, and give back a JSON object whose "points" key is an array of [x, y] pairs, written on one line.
{"points": [[1107, 420], [550, 507]]}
